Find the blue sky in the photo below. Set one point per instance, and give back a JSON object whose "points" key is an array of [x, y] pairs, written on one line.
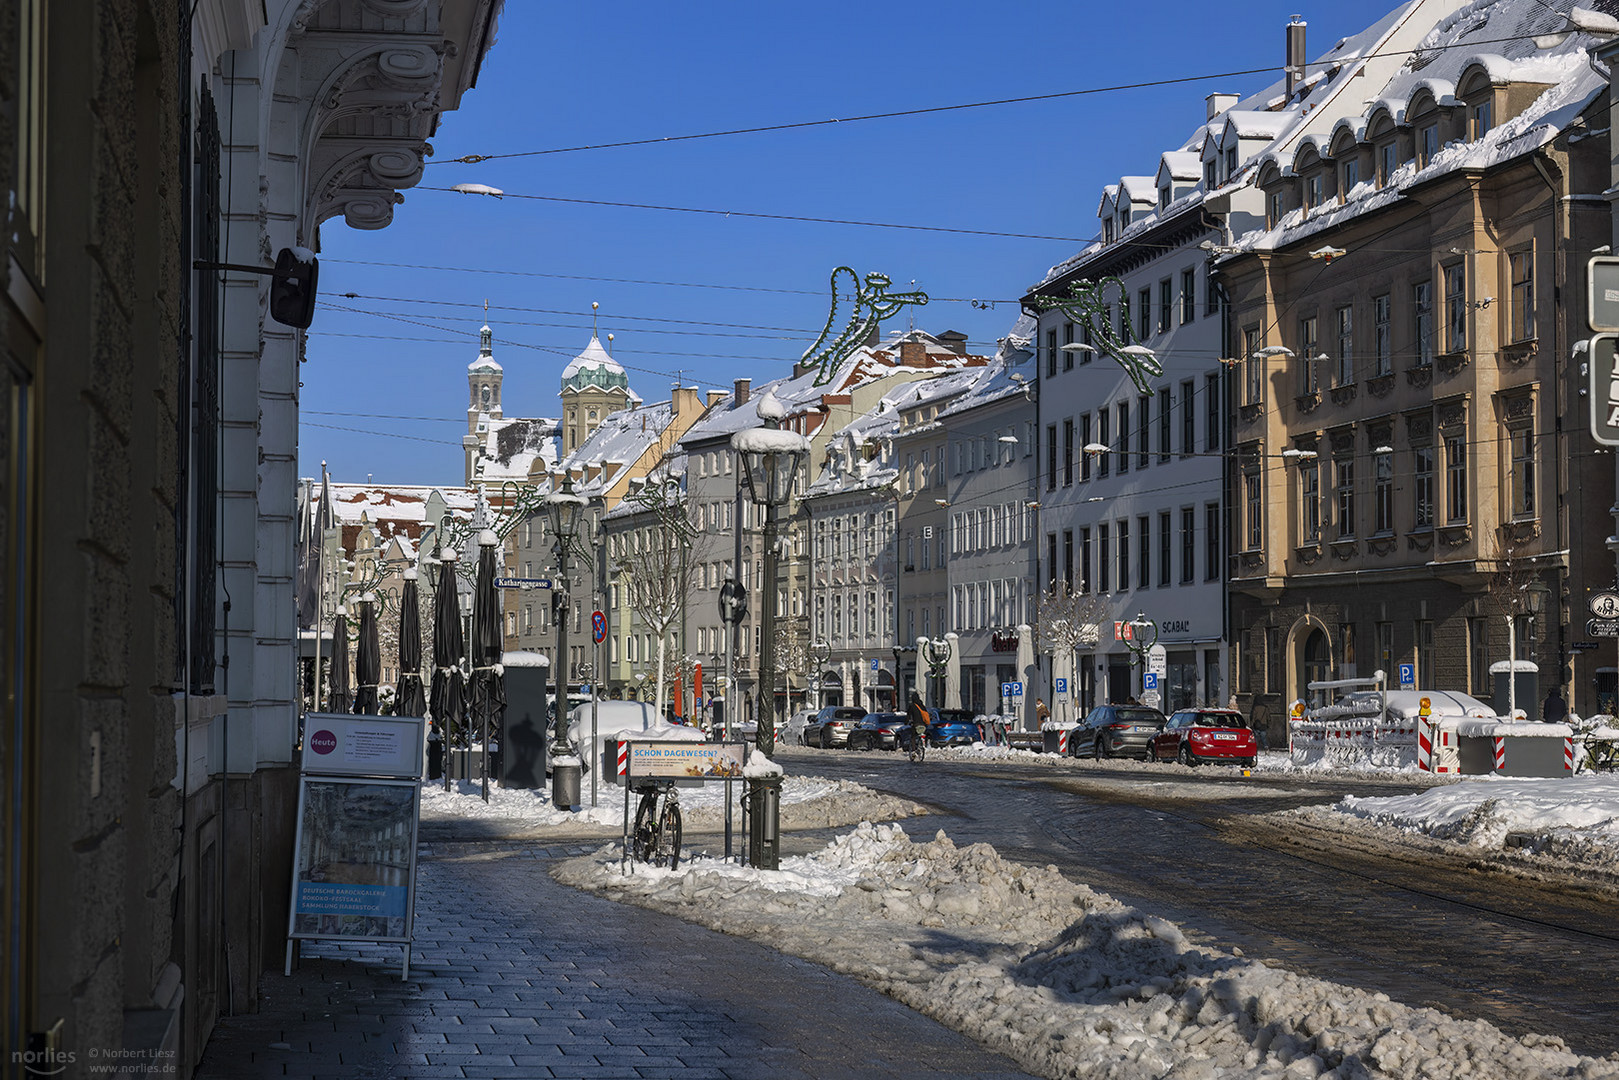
{"points": [[706, 299]]}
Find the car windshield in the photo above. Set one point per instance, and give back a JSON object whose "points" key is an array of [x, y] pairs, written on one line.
{"points": [[1219, 719], [847, 714], [1136, 716]]}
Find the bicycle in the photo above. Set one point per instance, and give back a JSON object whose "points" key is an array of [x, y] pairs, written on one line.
{"points": [[918, 747], [656, 839]]}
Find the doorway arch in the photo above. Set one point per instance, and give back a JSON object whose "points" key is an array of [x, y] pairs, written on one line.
{"points": [[1310, 645]]}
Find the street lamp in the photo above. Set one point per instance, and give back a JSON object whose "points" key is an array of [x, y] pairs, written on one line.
{"points": [[771, 459], [819, 651], [1140, 644], [566, 510], [1534, 598]]}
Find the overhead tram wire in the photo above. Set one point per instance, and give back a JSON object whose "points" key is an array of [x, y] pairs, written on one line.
{"points": [[475, 159]]}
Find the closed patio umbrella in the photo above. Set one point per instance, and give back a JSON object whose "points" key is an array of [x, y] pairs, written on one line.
{"points": [[339, 700], [367, 659], [410, 699], [488, 689], [447, 704]]}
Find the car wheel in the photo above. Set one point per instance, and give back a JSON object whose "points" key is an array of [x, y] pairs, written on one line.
{"points": [[1250, 762], [1186, 757], [1152, 752], [1098, 752], [826, 739]]}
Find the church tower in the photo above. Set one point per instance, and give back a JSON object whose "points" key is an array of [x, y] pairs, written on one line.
{"points": [[593, 385], [483, 398]]}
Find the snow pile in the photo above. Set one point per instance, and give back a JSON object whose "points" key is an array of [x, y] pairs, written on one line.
{"points": [[807, 802], [1574, 818], [1065, 980]]}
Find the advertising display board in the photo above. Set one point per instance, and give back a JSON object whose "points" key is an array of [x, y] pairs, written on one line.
{"points": [[337, 744], [685, 760]]}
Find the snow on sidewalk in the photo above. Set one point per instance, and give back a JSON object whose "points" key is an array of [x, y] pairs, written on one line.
{"points": [[1066, 980]]}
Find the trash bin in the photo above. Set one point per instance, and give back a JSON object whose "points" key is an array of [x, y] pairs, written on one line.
{"points": [[565, 787]]}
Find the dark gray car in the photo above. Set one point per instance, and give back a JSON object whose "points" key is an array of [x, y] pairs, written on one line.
{"points": [[1117, 731], [831, 726]]}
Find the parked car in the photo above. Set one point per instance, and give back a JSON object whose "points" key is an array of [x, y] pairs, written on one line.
{"points": [[793, 730], [954, 727], [1117, 731], [831, 726], [1197, 735], [877, 731]]}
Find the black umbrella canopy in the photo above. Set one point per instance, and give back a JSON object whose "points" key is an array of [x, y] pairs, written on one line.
{"points": [[410, 699], [340, 699], [448, 703], [488, 689], [367, 659]]}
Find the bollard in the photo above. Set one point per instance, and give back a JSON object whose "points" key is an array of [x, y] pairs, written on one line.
{"points": [[764, 823]]}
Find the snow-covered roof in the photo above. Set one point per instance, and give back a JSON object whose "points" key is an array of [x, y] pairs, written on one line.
{"points": [[1181, 165], [512, 449], [1142, 189]]}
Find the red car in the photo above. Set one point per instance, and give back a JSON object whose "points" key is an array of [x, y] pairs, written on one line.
{"points": [[1193, 736]]}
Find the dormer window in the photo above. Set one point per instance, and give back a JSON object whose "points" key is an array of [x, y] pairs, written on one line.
{"points": [[1163, 197], [1427, 144], [1210, 179], [1388, 159], [1312, 191], [1107, 231], [1274, 214], [1348, 177], [1230, 162], [1479, 118]]}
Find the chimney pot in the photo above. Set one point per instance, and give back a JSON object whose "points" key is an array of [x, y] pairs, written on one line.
{"points": [[741, 390]]}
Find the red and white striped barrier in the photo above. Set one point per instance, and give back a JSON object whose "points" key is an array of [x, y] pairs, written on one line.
{"points": [[1500, 753], [1062, 743], [1424, 746], [623, 759], [1568, 755]]}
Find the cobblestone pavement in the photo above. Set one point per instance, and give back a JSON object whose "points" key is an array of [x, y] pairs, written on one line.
{"points": [[516, 975]]}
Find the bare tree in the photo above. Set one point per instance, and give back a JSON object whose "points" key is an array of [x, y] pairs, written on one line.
{"points": [[656, 569], [1065, 622]]}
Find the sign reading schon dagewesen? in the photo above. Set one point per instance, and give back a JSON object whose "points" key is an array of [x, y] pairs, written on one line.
{"points": [[686, 760]]}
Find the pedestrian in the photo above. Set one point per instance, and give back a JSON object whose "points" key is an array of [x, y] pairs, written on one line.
{"points": [[1554, 710], [1041, 713]]}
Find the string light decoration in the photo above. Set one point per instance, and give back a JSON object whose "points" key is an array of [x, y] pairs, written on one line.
{"points": [[1088, 306], [872, 303]]}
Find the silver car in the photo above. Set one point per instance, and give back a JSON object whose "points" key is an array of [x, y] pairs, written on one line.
{"points": [[831, 726]]}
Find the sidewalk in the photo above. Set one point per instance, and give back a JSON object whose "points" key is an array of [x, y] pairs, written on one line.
{"points": [[515, 975]]}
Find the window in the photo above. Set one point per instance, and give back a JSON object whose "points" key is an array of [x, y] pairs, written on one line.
{"points": [[1124, 438], [1455, 308], [1312, 191], [1273, 660], [1480, 118], [1124, 554], [1273, 211], [1068, 559], [1085, 560], [1383, 493], [1051, 560], [1253, 505], [1211, 541], [1085, 339], [1422, 486], [1104, 556], [1051, 457], [1164, 547], [1253, 366], [1521, 314], [1188, 545], [1427, 145], [1230, 162], [1348, 178], [1478, 658], [1165, 404], [1068, 339], [1143, 430], [1163, 196], [1346, 346], [1084, 440], [1455, 477], [1309, 382], [1422, 321], [1143, 552], [1144, 314], [1166, 305], [1188, 419], [1522, 441], [1211, 408], [1309, 503], [1425, 667], [1124, 316], [1388, 159], [1102, 437], [1385, 646], [1068, 452], [1346, 496], [1051, 354], [1188, 295], [1382, 341]]}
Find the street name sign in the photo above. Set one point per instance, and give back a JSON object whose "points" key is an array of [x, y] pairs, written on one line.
{"points": [[522, 583]]}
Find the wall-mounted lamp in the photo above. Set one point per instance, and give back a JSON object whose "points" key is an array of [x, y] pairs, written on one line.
{"points": [[1096, 448], [1076, 346], [1295, 454], [942, 502], [1008, 439], [1328, 253], [1271, 350]]}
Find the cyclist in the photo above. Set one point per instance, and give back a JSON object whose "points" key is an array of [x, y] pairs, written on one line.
{"points": [[917, 714]]}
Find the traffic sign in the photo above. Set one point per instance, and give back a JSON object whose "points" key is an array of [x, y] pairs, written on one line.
{"points": [[1602, 627], [1605, 605], [1602, 387], [598, 627], [1062, 685], [1602, 292], [1149, 681], [522, 583], [1017, 689], [876, 665], [1408, 676]]}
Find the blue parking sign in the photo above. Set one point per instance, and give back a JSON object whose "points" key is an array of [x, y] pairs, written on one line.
{"points": [[1149, 681], [1408, 676], [1062, 686]]}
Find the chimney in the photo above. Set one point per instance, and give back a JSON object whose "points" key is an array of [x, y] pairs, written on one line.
{"points": [[1219, 103], [955, 341], [1295, 54], [714, 396], [741, 391], [914, 354], [684, 399]]}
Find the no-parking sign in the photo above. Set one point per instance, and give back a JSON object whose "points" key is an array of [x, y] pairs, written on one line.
{"points": [[598, 627]]}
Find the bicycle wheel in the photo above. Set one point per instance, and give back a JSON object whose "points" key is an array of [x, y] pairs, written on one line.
{"points": [[668, 848], [644, 840]]}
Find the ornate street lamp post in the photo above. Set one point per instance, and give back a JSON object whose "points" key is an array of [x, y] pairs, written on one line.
{"points": [[771, 459], [1534, 598], [1143, 636], [936, 651], [566, 510], [819, 650]]}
